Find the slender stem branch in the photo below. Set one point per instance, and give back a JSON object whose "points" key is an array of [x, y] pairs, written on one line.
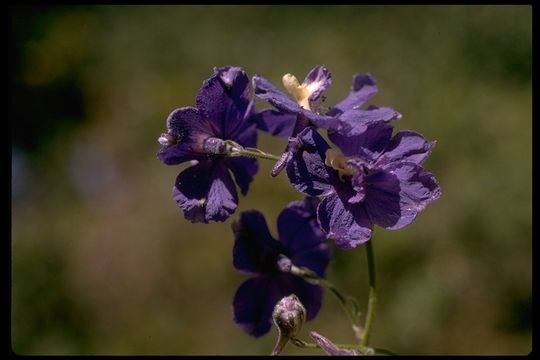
{"points": [[232, 148], [341, 299], [314, 278], [256, 153], [372, 301], [304, 344], [312, 345]]}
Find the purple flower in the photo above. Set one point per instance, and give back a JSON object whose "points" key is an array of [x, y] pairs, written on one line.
{"points": [[304, 108], [255, 251], [372, 178], [205, 191]]}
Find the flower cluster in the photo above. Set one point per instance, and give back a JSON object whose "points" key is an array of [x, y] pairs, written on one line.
{"points": [[368, 175]]}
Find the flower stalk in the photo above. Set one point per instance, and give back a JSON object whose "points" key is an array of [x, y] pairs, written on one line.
{"points": [[311, 277], [235, 149], [372, 300]]}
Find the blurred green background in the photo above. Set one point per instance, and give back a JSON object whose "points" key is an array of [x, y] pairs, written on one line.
{"points": [[103, 261]]}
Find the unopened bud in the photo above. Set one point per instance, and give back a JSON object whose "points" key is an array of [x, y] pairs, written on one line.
{"points": [[289, 315], [329, 347]]}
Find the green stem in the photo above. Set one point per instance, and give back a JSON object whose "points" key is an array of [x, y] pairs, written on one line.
{"points": [[235, 149], [250, 152], [312, 277], [372, 301], [341, 299]]}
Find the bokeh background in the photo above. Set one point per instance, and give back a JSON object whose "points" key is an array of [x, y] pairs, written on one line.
{"points": [[103, 261]]}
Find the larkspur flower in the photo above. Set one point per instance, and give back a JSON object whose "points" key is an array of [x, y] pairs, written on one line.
{"points": [[206, 191], [372, 178], [305, 109], [255, 251]]}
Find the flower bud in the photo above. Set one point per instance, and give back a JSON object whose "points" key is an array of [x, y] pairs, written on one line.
{"points": [[289, 315], [329, 347]]}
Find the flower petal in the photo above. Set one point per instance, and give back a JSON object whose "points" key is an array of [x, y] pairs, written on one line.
{"points": [[309, 295], [254, 250], [244, 170], [222, 196], [223, 100], [206, 192], [187, 132], [255, 299], [253, 304], [302, 237], [363, 87], [183, 123], [348, 224], [397, 193], [407, 146], [306, 169], [328, 347], [369, 144], [317, 81], [354, 122], [275, 122], [264, 90], [177, 154]]}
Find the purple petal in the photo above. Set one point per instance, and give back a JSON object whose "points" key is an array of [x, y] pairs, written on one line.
{"points": [[177, 154], [328, 347], [183, 122], [369, 144], [254, 250], [275, 122], [187, 132], [321, 121], [407, 146], [306, 170], [206, 192], [222, 196], [264, 90], [255, 299], [354, 122], [398, 193], [191, 191], [363, 87], [253, 304], [302, 237], [244, 169], [348, 224], [223, 100], [310, 295], [317, 81]]}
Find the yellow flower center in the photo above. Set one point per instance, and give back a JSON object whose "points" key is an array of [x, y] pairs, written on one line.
{"points": [[300, 92], [337, 161]]}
